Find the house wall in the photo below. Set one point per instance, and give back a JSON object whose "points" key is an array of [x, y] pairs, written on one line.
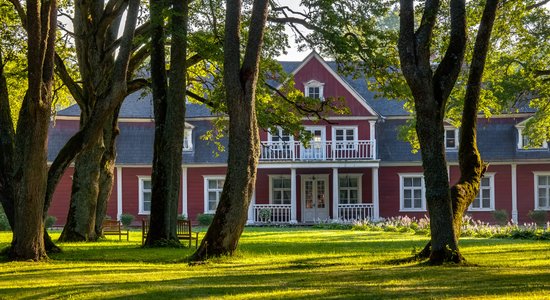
{"points": [[195, 188], [526, 188], [389, 189]]}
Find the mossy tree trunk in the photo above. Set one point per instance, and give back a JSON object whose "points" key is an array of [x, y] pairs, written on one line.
{"points": [[225, 231], [169, 105]]}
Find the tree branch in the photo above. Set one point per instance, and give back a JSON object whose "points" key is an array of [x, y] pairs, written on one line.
{"points": [[74, 88], [113, 10], [537, 5], [136, 85], [20, 11], [201, 99]]}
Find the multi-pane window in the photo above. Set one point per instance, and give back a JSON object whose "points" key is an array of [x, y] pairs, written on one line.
{"points": [[484, 199], [348, 189], [214, 187], [188, 140], [451, 138], [280, 190], [345, 138], [543, 192], [412, 192], [144, 195], [281, 137], [524, 142], [314, 92]]}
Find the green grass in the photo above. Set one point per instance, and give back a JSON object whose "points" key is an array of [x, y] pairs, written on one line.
{"points": [[284, 263]]}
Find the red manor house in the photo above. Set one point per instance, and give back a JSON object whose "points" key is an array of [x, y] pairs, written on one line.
{"points": [[354, 168]]}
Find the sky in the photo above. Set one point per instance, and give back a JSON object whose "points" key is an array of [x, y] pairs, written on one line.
{"points": [[293, 54]]}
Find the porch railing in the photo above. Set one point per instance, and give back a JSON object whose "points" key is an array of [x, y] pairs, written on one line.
{"points": [[324, 151], [272, 213], [355, 212]]}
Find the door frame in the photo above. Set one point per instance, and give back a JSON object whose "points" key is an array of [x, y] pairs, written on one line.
{"points": [[303, 178], [323, 130]]}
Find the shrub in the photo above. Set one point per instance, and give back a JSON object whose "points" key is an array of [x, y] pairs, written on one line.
{"points": [[49, 222], [265, 215], [501, 217], [538, 216], [182, 217], [205, 219], [126, 220], [4, 224]]}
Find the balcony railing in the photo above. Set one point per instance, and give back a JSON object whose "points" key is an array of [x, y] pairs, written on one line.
{"points": [[272, 213], [323, 151], [355, 212]]}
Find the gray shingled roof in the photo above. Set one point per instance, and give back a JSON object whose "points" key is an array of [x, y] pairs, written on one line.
{"points": [[496, 141], [139, 105]]}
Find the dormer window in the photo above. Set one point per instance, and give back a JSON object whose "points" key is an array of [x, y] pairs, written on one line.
{"points": [[524, 142], [314, 89], [451, 138], [188, 138]]}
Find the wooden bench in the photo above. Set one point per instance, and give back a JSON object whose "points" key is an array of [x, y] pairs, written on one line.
{"points": [[113, 227], [183, 230]]}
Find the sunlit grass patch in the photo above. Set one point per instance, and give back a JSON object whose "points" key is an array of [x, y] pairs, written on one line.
{"points": [[283, 263]]}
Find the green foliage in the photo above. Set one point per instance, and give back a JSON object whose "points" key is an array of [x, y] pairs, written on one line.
{"points": [[49, 222], [126, 219], [540, 217], [205, 219], [501, 216], [4, 224], [265, 215], [182, 217]]}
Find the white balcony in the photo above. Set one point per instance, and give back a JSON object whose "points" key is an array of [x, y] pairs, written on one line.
{"points": [[272, 213], [318, 151], [355, 212]]}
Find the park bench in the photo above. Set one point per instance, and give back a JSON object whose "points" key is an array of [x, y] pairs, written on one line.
{"points": [[183, 231], [113, 227]]}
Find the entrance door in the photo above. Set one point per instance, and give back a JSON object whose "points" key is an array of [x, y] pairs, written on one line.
{"points": [[316, 148], [315, 198]]}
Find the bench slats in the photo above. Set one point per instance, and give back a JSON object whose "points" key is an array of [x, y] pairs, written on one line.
{"points": [[183, 231], [113, 227]]}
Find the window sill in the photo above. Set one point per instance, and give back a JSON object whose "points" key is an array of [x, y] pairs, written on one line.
{"points": [[412, 210], [481, 209]]}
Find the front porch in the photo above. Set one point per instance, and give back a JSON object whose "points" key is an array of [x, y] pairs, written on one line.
{"points": [[313, 195]]}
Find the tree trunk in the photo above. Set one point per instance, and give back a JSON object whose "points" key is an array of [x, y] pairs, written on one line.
{"points": [[80, 225], [225, 231], [106, 171], [169, 104]]}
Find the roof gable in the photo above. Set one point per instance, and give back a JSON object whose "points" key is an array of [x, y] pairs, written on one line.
{"points": [[314, 68]]}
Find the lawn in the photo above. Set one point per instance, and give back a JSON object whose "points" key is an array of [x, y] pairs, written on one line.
{"points": [[284, 263]]}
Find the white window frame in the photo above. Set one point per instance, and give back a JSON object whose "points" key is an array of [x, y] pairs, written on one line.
{"points": [[521, 145], [359, 185], [206, 190], [280, 134], [355, 136], [402, 208], [451, 128], [188, 135], [271, 178], [314, 84], [536, 187], [141, 199], [491, 207]]}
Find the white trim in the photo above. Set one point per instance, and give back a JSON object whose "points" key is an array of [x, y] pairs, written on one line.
{"points": [[118, 192], [514, 194], [355, 129], [350, 89], [335, 193], [279, 133], [305, 177], [479, 116], [188, 133], [206, 179], [314, 84], [402, 196], [375, 195], [318, 165], [278, 176], [520, 145], [491, 176], [141, 179], [359, 177], [536, 175], [293, 197], [250, 220], [184, 194]]}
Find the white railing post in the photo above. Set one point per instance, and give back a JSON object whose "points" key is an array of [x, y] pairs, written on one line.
{"points": [[293, 200], [335, 194]]}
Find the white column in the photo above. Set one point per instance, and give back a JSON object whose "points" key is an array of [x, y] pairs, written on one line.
{"points": [[335, 194], [293, 204], [514, 194], [250, 220], [375, 201], [184, 207], [118, 192], [373, 137]]}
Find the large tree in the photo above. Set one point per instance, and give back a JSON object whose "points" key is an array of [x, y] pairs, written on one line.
{"points": [[240, 81], [169, 108], [106, 61], [24, 174]]}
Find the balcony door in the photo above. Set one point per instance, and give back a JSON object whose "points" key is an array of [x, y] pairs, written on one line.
{"points": [[315, 198], [316, 150]]}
